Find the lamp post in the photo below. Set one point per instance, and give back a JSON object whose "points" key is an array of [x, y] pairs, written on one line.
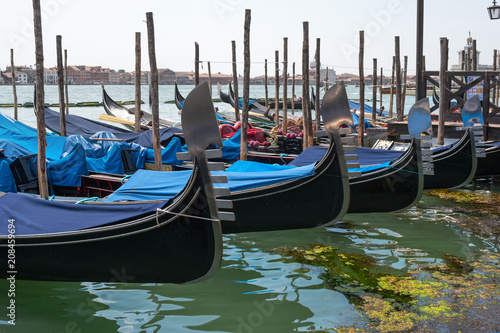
{"points": [[494, 11]]}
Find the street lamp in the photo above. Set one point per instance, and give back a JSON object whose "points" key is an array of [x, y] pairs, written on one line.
{"points": [[494, 11]]}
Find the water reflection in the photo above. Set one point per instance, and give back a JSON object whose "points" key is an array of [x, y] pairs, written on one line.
{"points": [[256, 289]]}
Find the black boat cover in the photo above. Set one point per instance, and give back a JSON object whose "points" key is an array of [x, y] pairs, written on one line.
{"points": [[76, 125]]}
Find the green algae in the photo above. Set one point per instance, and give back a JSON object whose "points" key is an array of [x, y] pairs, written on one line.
{"points": [[481, 210], [432, 297]]}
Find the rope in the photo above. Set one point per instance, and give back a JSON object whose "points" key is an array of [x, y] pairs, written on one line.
{"points": [[124, 178], [158, 210], [87, 199], [281, 157]]}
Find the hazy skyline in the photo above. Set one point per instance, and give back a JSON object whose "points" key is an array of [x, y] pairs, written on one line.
{"points": [[102, 33]]}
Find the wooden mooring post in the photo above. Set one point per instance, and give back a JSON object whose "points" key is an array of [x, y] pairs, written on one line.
{"points": [[361, 125], [209, 78], [246, 85], [420, 84], [494, 93], [154, 91], [381, 82], [399, 111], [235, 82], [40, 103], [60, 86], [306, 104], [276, 87], [66, 94], [403, 92], [13, 72], [391, 101], [265, 84], [137, 113], [374, 92], [317, 107], [293, 88], [196, 63], [285, 85], [443, 95]]}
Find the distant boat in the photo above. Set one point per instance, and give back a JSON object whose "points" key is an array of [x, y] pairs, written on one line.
{"points": [[114, 109]]}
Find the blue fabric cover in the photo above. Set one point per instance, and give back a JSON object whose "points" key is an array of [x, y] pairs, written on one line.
{"points": [[68, 170], [151, 185], [12, 150], [368, 108], [168, 154], [250, 102], [250, 166], [76, 125], [27, 137], [7, 182], [355, 120], [35, 216], [222, 119], [368, 159], [231, 149]]}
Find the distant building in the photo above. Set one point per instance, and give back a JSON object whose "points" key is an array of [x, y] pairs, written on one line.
{"points": [[166, 76], [467, 51], [218, 78], [114, 77], [50, 76], [184, 77]]}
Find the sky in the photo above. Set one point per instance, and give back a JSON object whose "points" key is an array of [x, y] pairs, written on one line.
{"points": [[102, 32]]}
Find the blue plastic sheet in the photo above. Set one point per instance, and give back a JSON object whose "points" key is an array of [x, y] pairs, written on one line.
{"points": [[231, 149], [35, 216], [150, 185], [368, 159], [68, 171], [27, 137], [12, 150], [7, 183]]}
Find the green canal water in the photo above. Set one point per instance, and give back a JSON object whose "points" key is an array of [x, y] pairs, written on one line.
{"points": [[261, 286]]}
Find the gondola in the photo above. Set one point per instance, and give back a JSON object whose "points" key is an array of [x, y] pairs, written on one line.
{"points": [[395, 186], [455, 165], [177, 241], [179, 99], [386, 181], [114, 109], [319, 198], [286, 207], [489, 165]]}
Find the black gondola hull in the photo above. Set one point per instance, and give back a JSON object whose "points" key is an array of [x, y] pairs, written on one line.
{"points": [[489, 165], [454, 167], [166, 248], [304, 203], [389, 189]]}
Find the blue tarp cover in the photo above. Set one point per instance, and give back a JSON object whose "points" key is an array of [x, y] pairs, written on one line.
{"points": [[368, 159], [231, 149], [151, 185], [68, 170], [27, 137], [12, 150], [7, 183], [35, 216]]}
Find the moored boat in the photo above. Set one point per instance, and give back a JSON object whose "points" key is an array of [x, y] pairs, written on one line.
{"points": [[177, 241]]}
